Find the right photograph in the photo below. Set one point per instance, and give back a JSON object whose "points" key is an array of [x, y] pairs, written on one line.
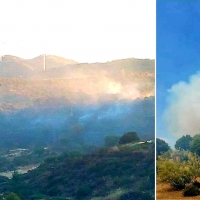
{"points": [[178, 100]]}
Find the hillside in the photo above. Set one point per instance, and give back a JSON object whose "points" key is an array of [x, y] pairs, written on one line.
{"points": [[45, 106], [127, 79], [13, 66], [47, 123], [66, 117], [122, 172]]}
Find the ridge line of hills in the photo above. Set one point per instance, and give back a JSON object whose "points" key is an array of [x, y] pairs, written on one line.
{"points": [[12, 66], [24, 84]]}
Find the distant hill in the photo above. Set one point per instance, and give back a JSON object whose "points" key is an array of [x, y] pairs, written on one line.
{"points": [[13, 66], [23, 83], [58, 67], [119, 68]]}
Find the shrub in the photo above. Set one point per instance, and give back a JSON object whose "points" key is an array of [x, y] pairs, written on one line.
{"points": [[191, 190], [178, 183], [177, 174], [196, 183]]}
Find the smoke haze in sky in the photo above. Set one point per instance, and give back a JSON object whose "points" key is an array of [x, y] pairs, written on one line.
{"points": [[182, 115]]}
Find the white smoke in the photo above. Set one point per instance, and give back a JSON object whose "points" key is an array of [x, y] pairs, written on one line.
{"points": [[182, 115]]}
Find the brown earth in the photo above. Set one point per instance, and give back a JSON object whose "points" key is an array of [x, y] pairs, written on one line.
{"points": [[163, 191]]}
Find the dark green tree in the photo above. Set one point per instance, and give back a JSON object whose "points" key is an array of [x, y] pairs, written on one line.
{"points": [[195, 145], [161, 146], [111, 140], [183, 143], [129, 137]]}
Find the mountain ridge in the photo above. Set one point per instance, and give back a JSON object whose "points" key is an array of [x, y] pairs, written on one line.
{"points": [[13, 66]]}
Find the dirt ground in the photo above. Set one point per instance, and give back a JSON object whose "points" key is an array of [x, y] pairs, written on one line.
{"points": [[21, 170], [163, 191]]}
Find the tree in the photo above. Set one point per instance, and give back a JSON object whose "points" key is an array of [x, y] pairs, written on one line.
{"points": [[161, 146], [111, 140], [129, 137], [195, 145], [183, 143]]}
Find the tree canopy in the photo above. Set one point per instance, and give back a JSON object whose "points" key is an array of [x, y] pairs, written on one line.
{"points": [[129, 137], [161, 146], [183, 143], [195, 145]]}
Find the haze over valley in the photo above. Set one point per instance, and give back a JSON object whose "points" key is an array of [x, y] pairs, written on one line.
{"points": [[101, 98]]}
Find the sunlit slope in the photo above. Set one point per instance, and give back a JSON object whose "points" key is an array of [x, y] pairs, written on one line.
{"points": [[101, 98], [127, 79], [13, 66]]}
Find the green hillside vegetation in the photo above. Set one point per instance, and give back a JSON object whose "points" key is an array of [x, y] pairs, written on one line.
{"points": [[117, 172], [180, 168]]}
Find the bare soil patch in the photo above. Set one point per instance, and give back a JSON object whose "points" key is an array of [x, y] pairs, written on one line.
{"points": [[164, 191]]}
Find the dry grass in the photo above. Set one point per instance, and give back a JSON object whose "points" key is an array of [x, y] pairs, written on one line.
{"points": [[163, 191]]}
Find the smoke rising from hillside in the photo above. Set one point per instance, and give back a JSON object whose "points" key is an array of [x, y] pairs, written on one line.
{"points": [[46, 125], [183, 113], [40, 107]]}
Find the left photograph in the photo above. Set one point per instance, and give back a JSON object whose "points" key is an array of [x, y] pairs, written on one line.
{"points": [[77, 100]]}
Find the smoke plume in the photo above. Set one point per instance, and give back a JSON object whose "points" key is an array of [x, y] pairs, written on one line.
{"points": [[182, 115]]}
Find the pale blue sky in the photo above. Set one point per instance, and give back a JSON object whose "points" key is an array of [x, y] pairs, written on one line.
{"points": [[177, 52]]}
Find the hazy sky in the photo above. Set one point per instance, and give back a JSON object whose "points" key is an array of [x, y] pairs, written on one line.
{"points": [[83, 30], [177, 66]]}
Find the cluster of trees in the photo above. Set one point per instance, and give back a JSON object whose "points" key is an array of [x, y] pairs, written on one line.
{"points": [[189, 143], [186, 142], [180, 168]]}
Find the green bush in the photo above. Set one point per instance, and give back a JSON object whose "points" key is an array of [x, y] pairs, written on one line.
{"points": [[191, 190], [178, 183], [196, 183]]}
